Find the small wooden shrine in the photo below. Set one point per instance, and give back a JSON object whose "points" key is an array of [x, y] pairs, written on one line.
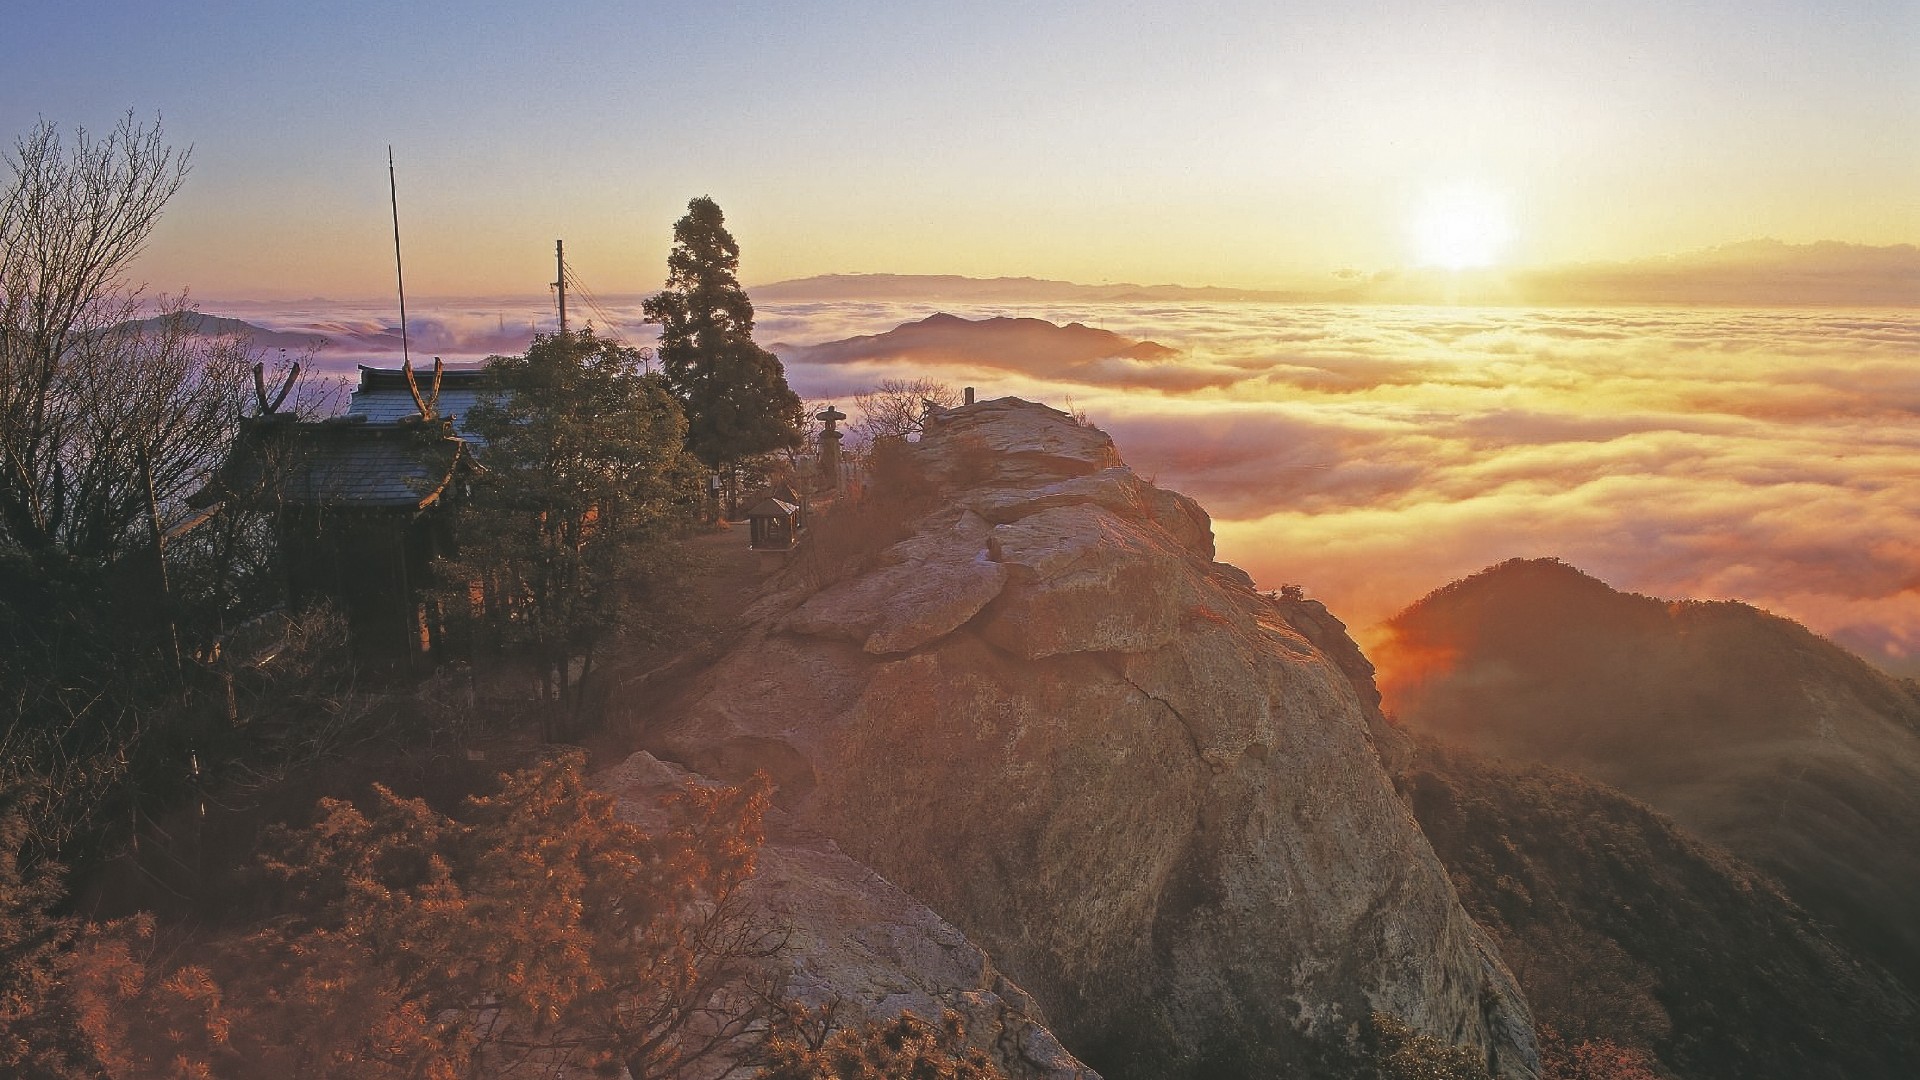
{"points": [[774, 525], [362, 505]]}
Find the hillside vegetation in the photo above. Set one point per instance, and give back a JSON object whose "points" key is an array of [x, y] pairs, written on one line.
{"points": [[1622, 928], [1746, 728]]}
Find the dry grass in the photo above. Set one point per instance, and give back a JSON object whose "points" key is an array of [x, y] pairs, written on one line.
{"points": [[849, 537]]}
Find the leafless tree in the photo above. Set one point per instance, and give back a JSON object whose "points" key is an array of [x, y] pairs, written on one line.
{"points": [[107, 422], [105, 419], [896, 407]]}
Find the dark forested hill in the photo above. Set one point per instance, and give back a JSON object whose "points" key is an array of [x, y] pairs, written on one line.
{"points": [[1621, 927], [1745, 727]]}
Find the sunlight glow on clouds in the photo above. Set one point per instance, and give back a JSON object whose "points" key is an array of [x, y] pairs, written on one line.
{"points": [[1372, 454]]}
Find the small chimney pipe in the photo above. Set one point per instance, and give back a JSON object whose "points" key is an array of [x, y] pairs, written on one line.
{"points": [[969, 393]]}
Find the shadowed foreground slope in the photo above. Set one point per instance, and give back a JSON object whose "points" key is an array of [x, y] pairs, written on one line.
{"points": [[1619, 926]]}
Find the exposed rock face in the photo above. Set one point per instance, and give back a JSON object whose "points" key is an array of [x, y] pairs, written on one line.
{"points": [[1137, 783], [855, 940]]}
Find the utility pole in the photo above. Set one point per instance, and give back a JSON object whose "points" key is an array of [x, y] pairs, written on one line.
{"points": [[560, 279]]}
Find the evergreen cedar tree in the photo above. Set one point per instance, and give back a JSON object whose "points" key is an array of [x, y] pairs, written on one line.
{"points": [[585, 478], [735, 393]]}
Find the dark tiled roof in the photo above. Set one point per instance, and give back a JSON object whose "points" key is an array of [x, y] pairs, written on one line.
{"points": [[382, 395], [340, 463]]}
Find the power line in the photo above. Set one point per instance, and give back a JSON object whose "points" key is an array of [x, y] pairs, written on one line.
{"points": [[599, 310]]}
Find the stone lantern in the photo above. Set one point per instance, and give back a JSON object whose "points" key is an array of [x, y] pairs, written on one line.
{"points": [[828, 477]]}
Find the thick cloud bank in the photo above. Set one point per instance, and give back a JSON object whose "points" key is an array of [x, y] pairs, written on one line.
{"points": [[1373, 453]]}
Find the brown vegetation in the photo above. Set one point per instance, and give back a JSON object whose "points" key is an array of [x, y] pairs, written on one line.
{"points": [[849, 537], [904, 1048], [538, 932]]}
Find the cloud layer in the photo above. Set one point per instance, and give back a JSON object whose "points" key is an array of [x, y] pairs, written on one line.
{"points": [[1372, 453]]}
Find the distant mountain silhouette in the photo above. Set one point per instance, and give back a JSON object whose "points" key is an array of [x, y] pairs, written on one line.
{"points": [[1757, 273], [345, 340], [1753, 273], [1074, 352], [221, 326], [1745, 727], [953, 287]]}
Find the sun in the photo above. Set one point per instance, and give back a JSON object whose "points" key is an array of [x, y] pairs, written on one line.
{"points": [[1463, 227]]}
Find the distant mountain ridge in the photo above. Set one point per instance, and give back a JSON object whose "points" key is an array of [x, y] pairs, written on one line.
{"points": [[1752, 273], [1745, 727], [955, 287], [1755, 273], [347, 340], [221, 326], [1074, 351]]}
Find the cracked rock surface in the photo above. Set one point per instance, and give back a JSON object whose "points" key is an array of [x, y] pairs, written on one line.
{"points": [[855, 941], [1152, 795]]}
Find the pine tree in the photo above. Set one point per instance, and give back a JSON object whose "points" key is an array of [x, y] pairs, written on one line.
{"points": [[735, 393]]}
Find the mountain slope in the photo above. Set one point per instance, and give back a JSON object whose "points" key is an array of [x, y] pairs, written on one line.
{"points": [[1621, 927], [1744, 727]]}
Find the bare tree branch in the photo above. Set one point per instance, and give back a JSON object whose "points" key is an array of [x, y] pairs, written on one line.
{"points": [[896, 408]]}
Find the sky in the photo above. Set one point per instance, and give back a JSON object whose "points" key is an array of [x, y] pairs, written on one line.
{"points": [[1247, 144], [1368, 453]]}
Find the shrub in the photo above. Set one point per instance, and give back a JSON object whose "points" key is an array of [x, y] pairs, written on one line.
{"points": [[906, 1047]]}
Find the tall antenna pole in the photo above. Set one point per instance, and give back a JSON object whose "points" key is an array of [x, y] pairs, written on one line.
{"points": [[560, 279], [393, 190]]}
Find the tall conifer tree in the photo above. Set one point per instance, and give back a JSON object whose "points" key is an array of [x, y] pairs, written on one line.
{"points": [[735, 393]]}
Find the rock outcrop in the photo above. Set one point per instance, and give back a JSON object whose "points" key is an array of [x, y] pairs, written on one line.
{"points": [[854, 941], [1025, 694]]}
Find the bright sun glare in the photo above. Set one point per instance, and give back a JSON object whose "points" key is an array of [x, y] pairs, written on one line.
{"points": [[1461, 228]]}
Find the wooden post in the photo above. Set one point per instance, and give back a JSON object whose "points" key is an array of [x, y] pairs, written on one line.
{"points": [[560, 280]]}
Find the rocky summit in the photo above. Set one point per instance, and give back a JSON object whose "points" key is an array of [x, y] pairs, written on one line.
{"points": [[1012, 687]]}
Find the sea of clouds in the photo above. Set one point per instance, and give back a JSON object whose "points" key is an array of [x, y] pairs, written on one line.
{"points": [[1371, 454]]}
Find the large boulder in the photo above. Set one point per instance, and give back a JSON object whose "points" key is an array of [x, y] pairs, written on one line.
{"points": [[856, 945], [1145, 789]]}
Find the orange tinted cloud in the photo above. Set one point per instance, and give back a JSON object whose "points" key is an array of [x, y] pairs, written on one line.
{"points": [[1371, 454]]}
